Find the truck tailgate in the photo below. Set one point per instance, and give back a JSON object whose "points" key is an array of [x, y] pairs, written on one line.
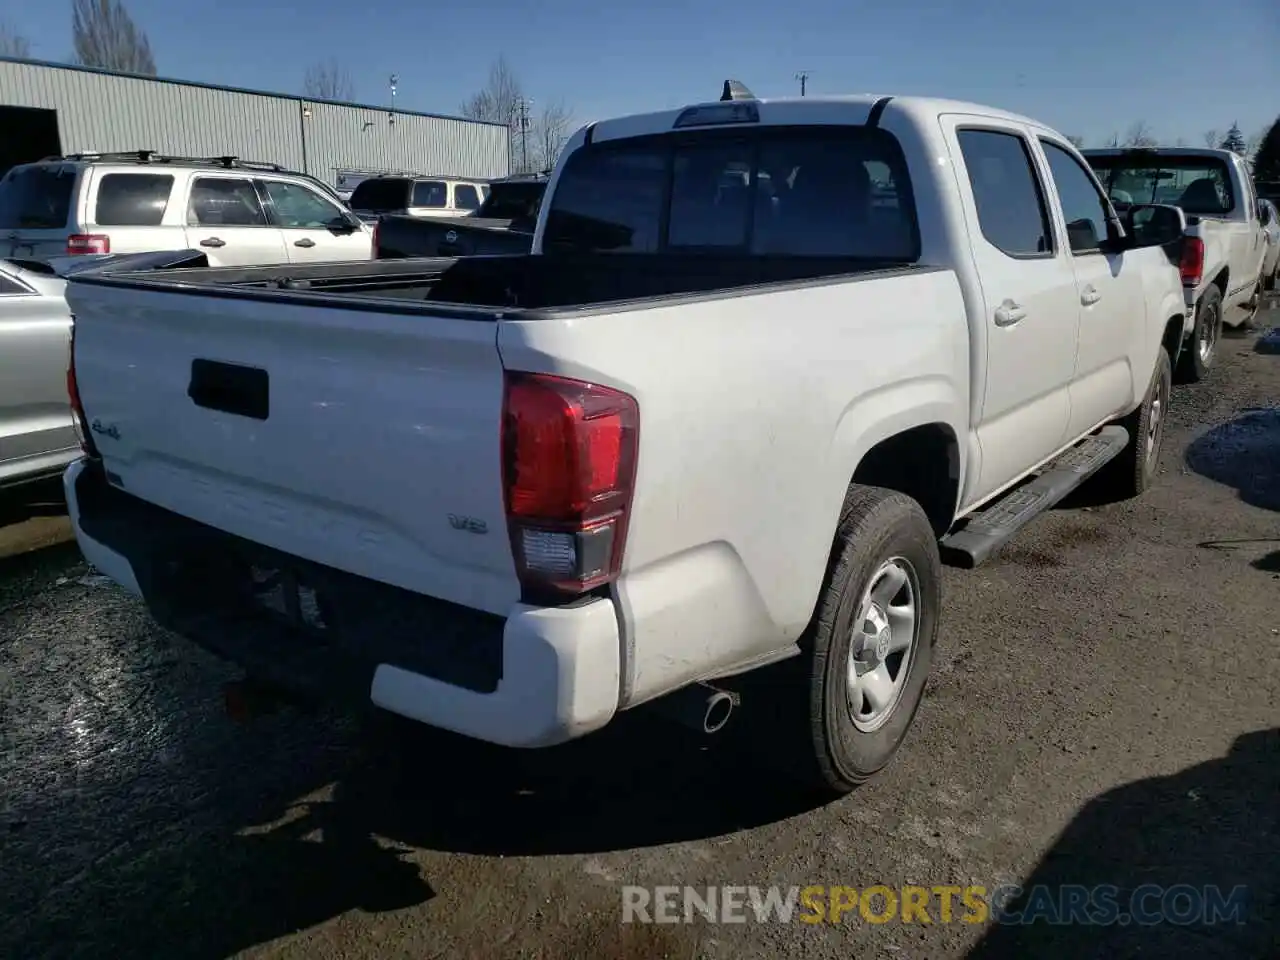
{"points": [[363, 440]]}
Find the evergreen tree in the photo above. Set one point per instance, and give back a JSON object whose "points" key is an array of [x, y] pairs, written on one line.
{"points": [[1266, 162], [1234, 141]]}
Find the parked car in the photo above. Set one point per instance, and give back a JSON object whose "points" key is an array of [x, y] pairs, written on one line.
{"points": [[237, 212], [503, 224], [416, 196], [37, 436], [696, 431], [1224, 246], [1271, 261]]}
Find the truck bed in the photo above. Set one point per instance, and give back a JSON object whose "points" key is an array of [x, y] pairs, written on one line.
{"points": [[522, 282]]}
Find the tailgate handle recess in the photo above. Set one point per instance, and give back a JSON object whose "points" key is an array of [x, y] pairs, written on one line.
{"points": [[230, 388]]}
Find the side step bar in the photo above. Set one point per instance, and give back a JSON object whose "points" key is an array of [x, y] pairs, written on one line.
{"points": [[985, 532]]}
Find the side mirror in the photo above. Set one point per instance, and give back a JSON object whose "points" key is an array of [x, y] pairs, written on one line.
{"points": [[1264, 213], [1154, 224]]}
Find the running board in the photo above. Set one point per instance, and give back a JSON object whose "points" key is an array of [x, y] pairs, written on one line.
{"points": [[990, 529]]}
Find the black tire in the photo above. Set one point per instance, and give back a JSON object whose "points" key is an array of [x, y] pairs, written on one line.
{"points": [[1134, 470], [1194, 364], [834, 753]]}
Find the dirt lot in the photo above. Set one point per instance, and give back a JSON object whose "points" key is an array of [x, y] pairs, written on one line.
{"points": [[1106, 709]]}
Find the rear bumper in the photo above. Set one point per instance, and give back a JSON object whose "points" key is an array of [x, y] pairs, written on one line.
{"points": [[537, 677]]}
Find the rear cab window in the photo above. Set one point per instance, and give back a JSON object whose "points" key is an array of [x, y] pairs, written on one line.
{"points": [[465, 197], [1200, 185], [381, 195], [132, 199], [37, 197], [819, 191]]}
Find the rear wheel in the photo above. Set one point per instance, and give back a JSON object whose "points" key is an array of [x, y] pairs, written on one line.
{"points": [[1134, 470], [1198, 357], [870, 646]]}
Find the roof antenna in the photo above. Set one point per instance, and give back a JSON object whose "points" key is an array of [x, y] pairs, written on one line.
{"points": [[736, 90]]}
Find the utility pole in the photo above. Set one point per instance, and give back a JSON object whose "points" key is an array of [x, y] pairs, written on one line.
{"points": [[523, 105], [803, 77]]}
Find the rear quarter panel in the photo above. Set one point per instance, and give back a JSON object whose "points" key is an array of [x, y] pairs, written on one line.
{"points": [[755, 410]]}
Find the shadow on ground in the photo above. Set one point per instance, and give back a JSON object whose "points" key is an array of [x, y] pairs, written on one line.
{"points": [[1214, 825], [1243, 453], [34, 536], [205, 893], [1269, 342]]}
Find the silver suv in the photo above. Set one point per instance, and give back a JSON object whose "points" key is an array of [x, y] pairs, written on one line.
{"points": [[237, 212]]}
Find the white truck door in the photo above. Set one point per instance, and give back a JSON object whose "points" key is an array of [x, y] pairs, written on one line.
{"points": [[1110, 289], [1031, 304], [315, 229], [226, 222]]}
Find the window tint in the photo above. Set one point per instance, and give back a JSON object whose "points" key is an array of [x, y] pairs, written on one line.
{"points": [[8, 286], [610, 198], [296, 207], [430, 193], [36, 198], [1082, 204], [794, 191], [835, 196], [381, 195], [219, 202], [514, 201], [710, 195], [132, 199], [1199, 185], [1011, 208], [465, 197]]}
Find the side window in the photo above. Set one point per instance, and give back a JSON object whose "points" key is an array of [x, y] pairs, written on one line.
{"points": [[1011, 207], [8, 286], [132, 199], [429, 193], [224, 202], [298, 208], [1082, 205], [465, 197]]}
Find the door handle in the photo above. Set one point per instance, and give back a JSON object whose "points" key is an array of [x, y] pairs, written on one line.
{"points": [[1089, 296], [1009, 313], [212, 242], [304, 242]]}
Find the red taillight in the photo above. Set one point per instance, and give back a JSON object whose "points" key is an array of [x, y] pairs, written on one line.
{"points": [[1192, 265], [569, 461], [79, 421], [79, 243]]}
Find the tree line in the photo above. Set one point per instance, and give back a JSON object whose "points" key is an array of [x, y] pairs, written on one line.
{"points": [[1140, 134]]}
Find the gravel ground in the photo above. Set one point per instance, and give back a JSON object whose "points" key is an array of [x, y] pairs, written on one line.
{"points": [[1105, 710]]}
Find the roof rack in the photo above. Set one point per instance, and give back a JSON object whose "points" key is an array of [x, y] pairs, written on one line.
{"points": [[154, 156]]}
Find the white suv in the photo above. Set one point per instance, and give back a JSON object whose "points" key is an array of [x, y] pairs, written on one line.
{"points": [[237, 212]]}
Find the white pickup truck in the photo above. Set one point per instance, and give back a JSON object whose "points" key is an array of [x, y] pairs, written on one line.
{"points": [[711, 422], [1222, 256]]}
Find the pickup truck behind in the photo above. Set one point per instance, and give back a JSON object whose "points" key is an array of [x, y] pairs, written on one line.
{"points": [[1222, 256], [713, 422], [503, 224]]}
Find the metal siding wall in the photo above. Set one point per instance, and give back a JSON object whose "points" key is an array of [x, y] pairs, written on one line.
{"points": [[338, 138], [103, 112]]}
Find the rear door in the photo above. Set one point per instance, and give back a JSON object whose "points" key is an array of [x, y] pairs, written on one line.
{"points": [[227, 222], [1032, 311], [135, 210], [315, 229], [1111, 292], [38, 209]]}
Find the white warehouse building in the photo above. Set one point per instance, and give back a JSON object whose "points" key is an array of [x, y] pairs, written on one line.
{"points": [[49, 109]]}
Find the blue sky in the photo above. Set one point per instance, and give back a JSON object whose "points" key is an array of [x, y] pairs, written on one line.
{"points": [[1086, 68]]}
